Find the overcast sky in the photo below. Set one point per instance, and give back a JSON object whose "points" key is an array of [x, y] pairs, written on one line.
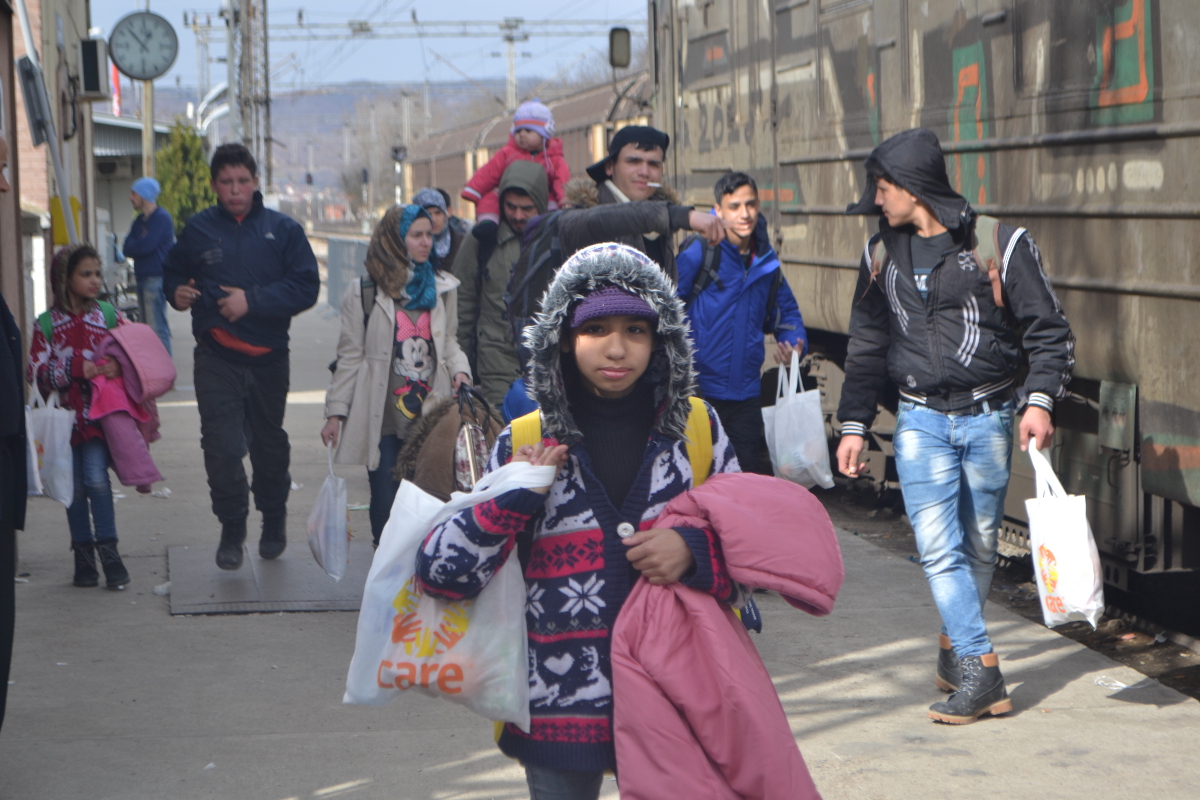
{"points": [[395, 59]]}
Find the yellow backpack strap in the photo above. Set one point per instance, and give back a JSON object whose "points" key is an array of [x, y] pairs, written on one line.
{"points": [[526, 430], [699, 441]]}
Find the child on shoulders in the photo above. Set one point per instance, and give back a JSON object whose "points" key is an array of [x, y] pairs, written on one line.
{"points": [[532, 139]]}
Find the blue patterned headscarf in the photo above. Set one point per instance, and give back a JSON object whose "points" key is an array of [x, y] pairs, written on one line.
{"points": [[422, 288]]}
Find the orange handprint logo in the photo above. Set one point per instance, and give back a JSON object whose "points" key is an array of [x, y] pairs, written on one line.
{"points": [[423, 638], [1048, 568]]}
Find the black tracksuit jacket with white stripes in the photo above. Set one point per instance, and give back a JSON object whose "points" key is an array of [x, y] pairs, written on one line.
{"points": [[958, 340]]}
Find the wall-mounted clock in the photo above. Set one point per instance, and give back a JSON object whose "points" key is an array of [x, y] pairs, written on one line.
{"points": [[143, 45]]}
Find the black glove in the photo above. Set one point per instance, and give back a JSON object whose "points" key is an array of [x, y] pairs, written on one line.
{"points": [[485, 232]]}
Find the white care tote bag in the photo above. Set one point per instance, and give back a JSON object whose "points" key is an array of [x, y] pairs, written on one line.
{"points": [[795, 431], [471, 652], [1065, 559], [50, 427], [328, 530]]}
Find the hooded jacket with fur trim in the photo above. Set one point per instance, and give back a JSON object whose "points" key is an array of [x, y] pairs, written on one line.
{"points": [[958, 346], [597, 216], [576, 571]]}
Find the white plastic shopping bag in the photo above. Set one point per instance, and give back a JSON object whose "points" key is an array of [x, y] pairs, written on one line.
{"points": [[328, 529], [470, 652], [795, 431], [33, 475], [50, 427], [1065, 559]]}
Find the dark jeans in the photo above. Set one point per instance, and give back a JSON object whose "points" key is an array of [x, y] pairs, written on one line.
{"points": [[383, 485], [559, 784], [743, 424], [92, 489], [241, 410]]}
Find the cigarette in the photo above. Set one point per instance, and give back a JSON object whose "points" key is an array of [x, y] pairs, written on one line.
{"points": [[654, 185]]}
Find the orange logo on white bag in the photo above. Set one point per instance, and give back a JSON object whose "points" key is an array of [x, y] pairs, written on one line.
{"points": [[1048, 567], [423, 640], [418, 638]]}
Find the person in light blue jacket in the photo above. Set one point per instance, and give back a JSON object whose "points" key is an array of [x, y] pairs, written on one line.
{"points": [[735, 293]]}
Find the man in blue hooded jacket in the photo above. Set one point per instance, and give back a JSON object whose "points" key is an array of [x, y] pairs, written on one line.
{"points": [[730, 309], [244, 271]]}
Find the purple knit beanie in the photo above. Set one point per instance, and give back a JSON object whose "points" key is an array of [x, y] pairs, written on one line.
{"points": [[610, 302], [533, 115]]}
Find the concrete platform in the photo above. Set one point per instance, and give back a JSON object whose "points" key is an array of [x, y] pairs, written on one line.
{"points": [[113, 697], [292, 582]]}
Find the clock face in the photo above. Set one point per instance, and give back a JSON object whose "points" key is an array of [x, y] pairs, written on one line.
{"points": [[143, 45]]}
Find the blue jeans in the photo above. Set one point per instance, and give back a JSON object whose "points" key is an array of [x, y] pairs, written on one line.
{"points": [[92, 488], [558, 784], [152, 305], [954, 474], [383, 485]]}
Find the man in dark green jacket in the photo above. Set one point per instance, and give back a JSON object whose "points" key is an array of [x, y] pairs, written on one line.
{"points": [[484, 332]]}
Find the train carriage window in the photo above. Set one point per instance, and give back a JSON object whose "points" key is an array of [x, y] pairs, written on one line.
{"points": [[795, 34], [849, 74], [1096, 62], [708, 55]]}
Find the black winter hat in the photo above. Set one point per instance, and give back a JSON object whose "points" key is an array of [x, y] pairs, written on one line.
{"points": [[914, 161], [630, 134]]}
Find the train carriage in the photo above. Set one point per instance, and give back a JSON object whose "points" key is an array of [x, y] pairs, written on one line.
{"points": [[1077, 119]]}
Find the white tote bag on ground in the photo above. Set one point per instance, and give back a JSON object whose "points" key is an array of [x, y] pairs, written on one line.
{"points": [[328, 529], [1065, 560], [50, 427], [470, 652], [795, 431]]}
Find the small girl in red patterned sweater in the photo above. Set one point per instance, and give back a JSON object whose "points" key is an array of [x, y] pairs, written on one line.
{"points": [[64, 365]]}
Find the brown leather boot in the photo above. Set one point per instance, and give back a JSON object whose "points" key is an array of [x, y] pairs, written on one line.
{"points": [[949, 673]]}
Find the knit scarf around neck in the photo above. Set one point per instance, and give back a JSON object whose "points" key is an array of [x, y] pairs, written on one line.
{"points": [[421, 290]]}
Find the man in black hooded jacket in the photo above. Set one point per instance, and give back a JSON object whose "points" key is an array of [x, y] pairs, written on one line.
{"points": [[950, 322]]}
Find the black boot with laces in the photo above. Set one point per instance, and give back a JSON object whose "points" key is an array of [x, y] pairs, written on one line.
{"points": [[85, 565], [229, 552], [949, 672], [115, 574], [982, 692]]}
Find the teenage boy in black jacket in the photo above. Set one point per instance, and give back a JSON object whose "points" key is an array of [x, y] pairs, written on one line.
{"points": [[244, 271], [950, 319]]}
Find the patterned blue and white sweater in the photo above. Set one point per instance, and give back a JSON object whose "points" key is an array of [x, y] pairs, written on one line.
{"points": [[577, 575]]}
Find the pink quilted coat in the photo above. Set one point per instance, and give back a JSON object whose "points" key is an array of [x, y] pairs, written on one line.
{"points": [[125, 408], [695, 712]]}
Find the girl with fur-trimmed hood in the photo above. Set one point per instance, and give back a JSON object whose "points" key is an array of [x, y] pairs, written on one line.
{"points": [[78, 323], [612, 372], [395, 356]]}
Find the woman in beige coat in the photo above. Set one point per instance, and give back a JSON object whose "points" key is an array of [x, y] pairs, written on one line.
{"points": [[401, 355]]}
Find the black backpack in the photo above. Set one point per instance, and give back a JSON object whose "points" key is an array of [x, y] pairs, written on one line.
{"points": [[541, 256], [710, 265], [366, 289]]}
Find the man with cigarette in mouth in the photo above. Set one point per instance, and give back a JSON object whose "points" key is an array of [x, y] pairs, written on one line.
{"points": [[624, 199]]}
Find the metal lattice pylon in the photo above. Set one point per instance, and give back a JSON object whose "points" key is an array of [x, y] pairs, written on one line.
{"points": [[249, 79]]}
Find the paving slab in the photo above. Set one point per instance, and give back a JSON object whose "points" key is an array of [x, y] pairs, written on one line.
{"points": [[113, 697], [292, 582]]}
